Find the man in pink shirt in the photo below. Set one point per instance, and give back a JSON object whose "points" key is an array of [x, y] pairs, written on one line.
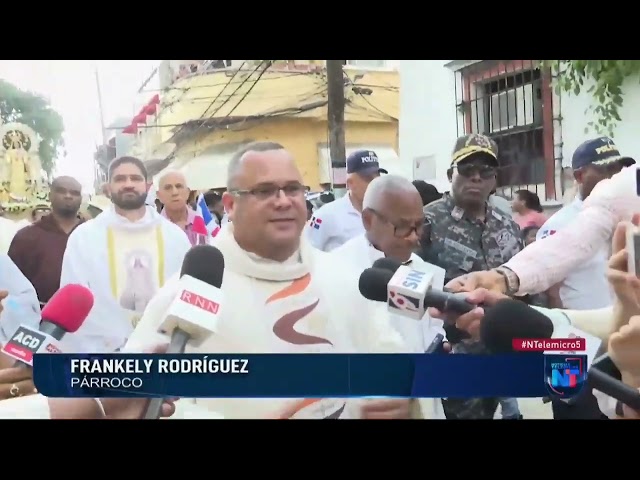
{"points": [[174, 193], [549, 260]]}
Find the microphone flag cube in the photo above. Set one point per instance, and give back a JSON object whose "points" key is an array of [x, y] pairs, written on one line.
{"points": [[26, 342], [195, 310], [406, 291]]}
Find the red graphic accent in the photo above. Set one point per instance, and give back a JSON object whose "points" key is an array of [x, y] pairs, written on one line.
{"points": [[18, 351], [200, 302], [284, 328]]}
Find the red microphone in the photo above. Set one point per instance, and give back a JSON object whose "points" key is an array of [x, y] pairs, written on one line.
{"points": [[64, 313]]}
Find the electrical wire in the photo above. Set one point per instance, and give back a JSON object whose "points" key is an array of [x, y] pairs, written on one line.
{"points": [[183, 126], [213, 114]]}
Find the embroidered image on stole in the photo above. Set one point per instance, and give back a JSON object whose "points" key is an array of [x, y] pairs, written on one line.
{"points": [[136, 268]]}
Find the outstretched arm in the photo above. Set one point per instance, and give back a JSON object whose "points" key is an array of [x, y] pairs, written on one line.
{"points": [[548, 261]]}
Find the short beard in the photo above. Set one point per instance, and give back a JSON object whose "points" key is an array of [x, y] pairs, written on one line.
{"points": [[67, 212], [128, 204]]}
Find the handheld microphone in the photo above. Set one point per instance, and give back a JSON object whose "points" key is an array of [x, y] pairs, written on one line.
{"points": [[64, 313], [511, 319], [412, 287], [386, 263], [194, 313], [381, 285]]}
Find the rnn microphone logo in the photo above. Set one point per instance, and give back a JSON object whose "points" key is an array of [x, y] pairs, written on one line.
{"points": [[565, 375], [200, 302]]}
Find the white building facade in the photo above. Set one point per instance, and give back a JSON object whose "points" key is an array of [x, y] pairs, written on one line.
{"points": [[511, 101]]}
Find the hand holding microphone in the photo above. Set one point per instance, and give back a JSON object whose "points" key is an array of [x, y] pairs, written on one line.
{"points": [[64, 313], [622, 273], [3, 294], [193, 316], [624, 350], [408, 293]]}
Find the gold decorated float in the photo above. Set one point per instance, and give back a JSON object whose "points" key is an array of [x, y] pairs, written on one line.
{"points": [[22, 184]]}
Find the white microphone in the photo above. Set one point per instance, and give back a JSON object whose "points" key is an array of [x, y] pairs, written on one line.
{"points": [[193, 315], [406, 292]]}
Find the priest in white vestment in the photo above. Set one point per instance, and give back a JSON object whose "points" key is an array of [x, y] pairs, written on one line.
{"points": [[281, 295], [8, 229], [21, 306], [124, 256], [393, 221]]}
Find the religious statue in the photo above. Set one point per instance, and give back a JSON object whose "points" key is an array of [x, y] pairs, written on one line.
{"points": [[20, 178]]}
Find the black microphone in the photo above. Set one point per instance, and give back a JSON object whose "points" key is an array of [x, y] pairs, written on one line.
{"points": [[386, 263], [511, 319], [373, 285], [199, 286]]}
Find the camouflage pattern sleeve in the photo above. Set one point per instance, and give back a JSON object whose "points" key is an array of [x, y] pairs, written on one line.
{"points": [[434, 214]]}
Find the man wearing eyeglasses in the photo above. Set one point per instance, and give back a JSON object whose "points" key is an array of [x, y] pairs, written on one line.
{"points": [[393, 222], [463, 234]]}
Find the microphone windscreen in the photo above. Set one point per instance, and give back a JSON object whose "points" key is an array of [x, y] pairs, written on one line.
{"points": [[69, 307], [373, 284], [204, 263], [385, 263], [511, 319]]}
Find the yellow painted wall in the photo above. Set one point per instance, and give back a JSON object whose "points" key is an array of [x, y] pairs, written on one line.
{"points": [[300, 136], [277, 90]]}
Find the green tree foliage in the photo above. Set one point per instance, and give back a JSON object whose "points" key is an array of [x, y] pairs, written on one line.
{"points": [[603, 79], [35, 111]]}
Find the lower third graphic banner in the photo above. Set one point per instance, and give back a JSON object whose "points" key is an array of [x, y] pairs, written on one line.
{"points": [[307, 375]]}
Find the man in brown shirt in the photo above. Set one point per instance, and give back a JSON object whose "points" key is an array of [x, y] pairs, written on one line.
{"points": [[37, 250]]}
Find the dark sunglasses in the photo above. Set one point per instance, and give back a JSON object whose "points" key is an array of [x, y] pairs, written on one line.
{"points": [[470, 170]]}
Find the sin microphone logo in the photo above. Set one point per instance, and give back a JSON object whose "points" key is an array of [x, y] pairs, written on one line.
{"points": [[565, 375], [406, 302]]}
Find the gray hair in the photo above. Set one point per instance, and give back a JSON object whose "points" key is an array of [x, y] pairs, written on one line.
{"points": [[235, 164], [166, 173], [374, 196]]}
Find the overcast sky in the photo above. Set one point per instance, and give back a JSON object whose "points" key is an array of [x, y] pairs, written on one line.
{"points": [[70, 85]]}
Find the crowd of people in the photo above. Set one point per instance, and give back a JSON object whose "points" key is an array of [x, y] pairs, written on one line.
{"points": [[286, 256]]}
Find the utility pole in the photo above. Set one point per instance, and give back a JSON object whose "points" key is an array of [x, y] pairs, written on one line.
{"points": [[102, 126], [100, 109], [335, 118]]}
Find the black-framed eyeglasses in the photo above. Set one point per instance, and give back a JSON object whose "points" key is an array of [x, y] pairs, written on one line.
{"points": [[268, 191], [400, 231], [469, 170]]}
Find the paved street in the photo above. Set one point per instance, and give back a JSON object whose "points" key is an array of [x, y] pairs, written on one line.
{"points": [[532, 408]]}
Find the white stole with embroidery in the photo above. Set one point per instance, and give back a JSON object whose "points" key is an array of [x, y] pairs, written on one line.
{"points": [[308, 304], [124, 264]]}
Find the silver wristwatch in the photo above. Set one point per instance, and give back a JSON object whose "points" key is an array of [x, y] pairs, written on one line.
{"points": [[510, 278]]}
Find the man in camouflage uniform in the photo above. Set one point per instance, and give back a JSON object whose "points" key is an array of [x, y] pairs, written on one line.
{"points": [[463, 234]]}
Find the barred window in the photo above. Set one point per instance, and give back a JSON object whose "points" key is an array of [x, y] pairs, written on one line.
{"points": [[505, 101]]}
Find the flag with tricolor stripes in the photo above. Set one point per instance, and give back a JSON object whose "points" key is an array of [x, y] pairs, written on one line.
{"points": [[210, 225]]}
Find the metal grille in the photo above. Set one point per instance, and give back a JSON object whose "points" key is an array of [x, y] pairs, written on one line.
{"points": [[503, 100]]}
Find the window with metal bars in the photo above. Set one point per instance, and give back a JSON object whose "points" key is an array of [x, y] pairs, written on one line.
{"points": [[505, 100]]}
